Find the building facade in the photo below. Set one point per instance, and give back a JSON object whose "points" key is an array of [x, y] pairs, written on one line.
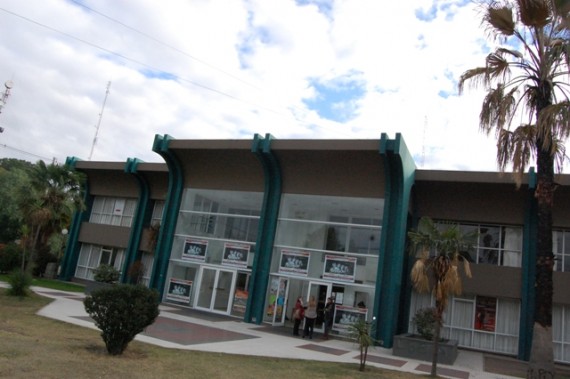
{"points": [[245, 227]]}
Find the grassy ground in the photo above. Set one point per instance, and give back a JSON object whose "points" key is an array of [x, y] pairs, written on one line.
{"points": [[51, 283], [36, 347]]}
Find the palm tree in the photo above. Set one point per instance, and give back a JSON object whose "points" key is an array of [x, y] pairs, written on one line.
{"points": [[526, 78], [47, 207], [438, 251]]}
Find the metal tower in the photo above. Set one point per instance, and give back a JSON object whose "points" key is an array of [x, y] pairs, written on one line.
{"points": [[99, 122], [4, 97]]}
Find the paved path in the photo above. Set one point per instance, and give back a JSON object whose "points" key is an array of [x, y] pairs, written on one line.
{"points": [[181, 328]]}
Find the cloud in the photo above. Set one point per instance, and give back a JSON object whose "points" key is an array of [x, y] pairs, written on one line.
{"points": [[226, 70]]}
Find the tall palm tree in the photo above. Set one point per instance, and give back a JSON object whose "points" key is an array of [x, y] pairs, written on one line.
{"points": [[47, 207], [526, 79], [439, 249]]}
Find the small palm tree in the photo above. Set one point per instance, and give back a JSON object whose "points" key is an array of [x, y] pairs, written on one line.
{"points": [[361, 333], [439, 251]]}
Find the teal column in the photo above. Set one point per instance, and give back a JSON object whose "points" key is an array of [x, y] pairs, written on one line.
{"points": [[170, 215], [399, 171], [528, 270], [72, 249], [131, 253], [267, 227]]}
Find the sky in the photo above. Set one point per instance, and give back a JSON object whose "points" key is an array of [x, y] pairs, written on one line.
{"points": [[98, 80]]}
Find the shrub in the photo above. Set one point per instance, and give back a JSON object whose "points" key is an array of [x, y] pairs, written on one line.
{"points": [[20, 282], [121, 312], [106, 274], [425, 320], [10, 257]]}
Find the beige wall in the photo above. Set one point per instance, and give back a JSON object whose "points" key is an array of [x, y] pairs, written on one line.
{"points": [[106, 235]]}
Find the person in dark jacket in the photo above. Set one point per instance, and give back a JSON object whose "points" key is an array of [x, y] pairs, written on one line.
{"points": [[329, 317]]}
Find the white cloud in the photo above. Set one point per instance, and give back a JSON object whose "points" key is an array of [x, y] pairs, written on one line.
{"points": [[241, 67]]}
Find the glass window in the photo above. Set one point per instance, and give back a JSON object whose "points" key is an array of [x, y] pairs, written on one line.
{"points": [[478, 322], [214, 219], [91, 256], [561, 248], [113, 211], [495, 244]]}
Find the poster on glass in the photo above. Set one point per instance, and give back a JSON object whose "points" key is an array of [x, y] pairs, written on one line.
{"points": [[294, 262], [340, 268], [179, 290], [195, 250], [485, 313], [240, 302], [345, 316], [235, 255]]}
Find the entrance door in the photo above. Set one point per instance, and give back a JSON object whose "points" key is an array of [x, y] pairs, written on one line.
{"points": [[321, 291], [216, 287]]}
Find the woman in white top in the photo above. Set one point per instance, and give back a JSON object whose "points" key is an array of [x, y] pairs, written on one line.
{"points": [[310, 316]]}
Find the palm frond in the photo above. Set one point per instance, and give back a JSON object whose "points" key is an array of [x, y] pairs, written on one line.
{"points": [[534, 13], [497, 109], [476, 77], [499, 19]]}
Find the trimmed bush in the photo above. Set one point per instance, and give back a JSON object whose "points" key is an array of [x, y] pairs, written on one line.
{"points": [[106, 274], [121, 312], [10, 257], [20, 282], [425, 320]]}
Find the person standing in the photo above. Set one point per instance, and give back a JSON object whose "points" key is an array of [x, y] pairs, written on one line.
{"points": [[329, 317], [310, 316], [298, 315]]}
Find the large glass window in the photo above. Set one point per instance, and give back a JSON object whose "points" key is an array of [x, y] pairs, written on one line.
{"points": [[113, 211], [91, 256], [217, 227], [561, 332], [478, 322], [321, 233], [496, 244], [157, 212], [561, 248]]}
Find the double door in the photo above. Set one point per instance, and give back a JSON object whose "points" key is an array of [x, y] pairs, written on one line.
{"points": [[216, 288], [321, 291]]}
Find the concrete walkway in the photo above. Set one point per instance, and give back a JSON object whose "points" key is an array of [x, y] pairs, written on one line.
{"points": [[181, 328]]}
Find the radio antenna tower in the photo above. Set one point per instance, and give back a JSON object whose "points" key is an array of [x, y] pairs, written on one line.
{"points": [[4, 97], [99, 121]]}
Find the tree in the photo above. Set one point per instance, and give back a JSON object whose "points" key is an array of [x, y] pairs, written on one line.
{"points": [[526, 79], [438, 251], [46, 207], [121, 312], [361, 333]]}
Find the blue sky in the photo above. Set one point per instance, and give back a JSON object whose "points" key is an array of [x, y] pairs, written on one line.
{"points": [[223, 69]]}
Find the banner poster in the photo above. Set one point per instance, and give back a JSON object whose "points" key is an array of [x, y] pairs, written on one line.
{"points": [[240, 302], [294, 262], [485, 313], [235, 255], [195, 250], [179, 290], [340, 268], [345, 316]]}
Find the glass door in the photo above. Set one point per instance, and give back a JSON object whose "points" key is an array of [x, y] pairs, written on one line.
{"points": [[277, 295], [321, 291], [216, 287]]}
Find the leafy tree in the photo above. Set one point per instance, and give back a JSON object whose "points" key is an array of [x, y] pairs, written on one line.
{"points": [[14, 182], [439, 251], [528, 109]]}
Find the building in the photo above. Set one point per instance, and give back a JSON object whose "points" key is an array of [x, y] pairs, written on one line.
{"points": [[244, 227]]}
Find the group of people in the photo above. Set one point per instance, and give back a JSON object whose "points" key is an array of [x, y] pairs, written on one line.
{"points": [[309, 314]]}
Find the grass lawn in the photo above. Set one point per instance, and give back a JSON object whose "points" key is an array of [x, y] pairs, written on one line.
{"points": [[37, 347], [51, 283]]}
